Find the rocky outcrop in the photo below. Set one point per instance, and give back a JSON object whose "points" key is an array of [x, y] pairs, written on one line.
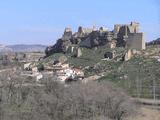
{"points": [[60, 46]]}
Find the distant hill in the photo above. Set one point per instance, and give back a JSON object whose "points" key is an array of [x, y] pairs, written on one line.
{"points": [[154, 42], [27, 48]]}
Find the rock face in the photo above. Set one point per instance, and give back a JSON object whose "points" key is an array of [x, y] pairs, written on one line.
{"points": [[122, 36], [60, 46]]}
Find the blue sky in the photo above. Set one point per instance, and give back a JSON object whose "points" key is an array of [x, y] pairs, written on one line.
{"points": [[43, 21]]}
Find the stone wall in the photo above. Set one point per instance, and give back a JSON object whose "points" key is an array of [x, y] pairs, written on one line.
{"points": [[136, 41]]}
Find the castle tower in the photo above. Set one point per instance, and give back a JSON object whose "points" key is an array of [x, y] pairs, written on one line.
{"points": [[67, 34]]}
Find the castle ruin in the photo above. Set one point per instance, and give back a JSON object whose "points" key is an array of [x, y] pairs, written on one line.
{"points": [[129, 36], [123, 35]]}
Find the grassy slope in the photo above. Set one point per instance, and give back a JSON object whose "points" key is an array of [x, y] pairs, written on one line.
{"points": [[138, 75]]}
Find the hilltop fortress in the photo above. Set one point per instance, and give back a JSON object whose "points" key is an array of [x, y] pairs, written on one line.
{"points": [[123, 35]]}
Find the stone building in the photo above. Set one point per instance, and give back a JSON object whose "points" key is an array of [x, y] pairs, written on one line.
{"points": [[136, 41]]}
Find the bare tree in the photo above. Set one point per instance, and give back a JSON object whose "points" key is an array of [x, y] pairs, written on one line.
{"points": [[54, 101]]}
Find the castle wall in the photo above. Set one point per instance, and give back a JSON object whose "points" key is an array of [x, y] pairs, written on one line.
{"points": [[136, 41]]}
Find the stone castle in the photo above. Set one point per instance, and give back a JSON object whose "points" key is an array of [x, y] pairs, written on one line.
{"points": [[123, 35]]}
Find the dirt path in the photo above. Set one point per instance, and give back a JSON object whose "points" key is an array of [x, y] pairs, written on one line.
{"points": [[147, 101], [146, 114]]}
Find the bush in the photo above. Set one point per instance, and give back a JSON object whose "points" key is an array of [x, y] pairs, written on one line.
{"points": [[40, 67], [53, 101]]}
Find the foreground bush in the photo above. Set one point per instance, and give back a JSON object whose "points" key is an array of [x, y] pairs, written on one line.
{"points": [[53, 101]]}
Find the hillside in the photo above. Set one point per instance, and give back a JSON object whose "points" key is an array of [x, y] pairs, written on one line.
{"points": [[137, 76]]}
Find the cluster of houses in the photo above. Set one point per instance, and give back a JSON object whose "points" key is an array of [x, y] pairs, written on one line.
{"points": [[61, 71], [65, 73]]}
